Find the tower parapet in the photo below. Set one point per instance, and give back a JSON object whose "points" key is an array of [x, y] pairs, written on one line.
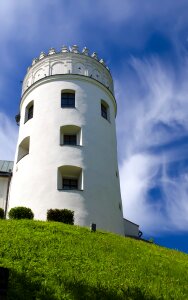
{"points": [[68, 61]]}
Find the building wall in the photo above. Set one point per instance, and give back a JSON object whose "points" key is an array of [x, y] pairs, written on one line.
{"points": [[3, 191], [34, 181], [131, 229]]}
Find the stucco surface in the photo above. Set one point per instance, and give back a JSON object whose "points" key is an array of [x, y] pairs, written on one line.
{"points": [[35, 176], [3, 191], [130, 228]]}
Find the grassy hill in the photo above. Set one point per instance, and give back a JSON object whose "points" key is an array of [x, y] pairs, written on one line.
{"points": [[49, 260]]}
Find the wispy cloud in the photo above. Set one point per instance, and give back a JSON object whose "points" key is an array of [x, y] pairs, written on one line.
{"points": [[155, 114], [8, 138], [152, 96]]}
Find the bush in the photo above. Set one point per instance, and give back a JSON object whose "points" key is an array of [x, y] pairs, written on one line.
{"points": [[61, 215], [20, 212], [2, 213]]}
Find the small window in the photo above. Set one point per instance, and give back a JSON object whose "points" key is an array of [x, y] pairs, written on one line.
{"points": [[70, 135], [29, 111], [70, 184], [69, 178], [23, 148], [105, 110], [67, 99], [69, 139]]}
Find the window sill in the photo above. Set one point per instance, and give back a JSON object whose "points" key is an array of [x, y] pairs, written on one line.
{"points": [[28, 120], [22, 157], [106, 119], [76, 190], [69, 107], [71, 145]]}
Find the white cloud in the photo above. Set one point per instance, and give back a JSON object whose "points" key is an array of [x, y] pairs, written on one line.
{"points": [[154, 95], [30, 21], [8, 138], [137, 176], [176, 195], [155, 98]]}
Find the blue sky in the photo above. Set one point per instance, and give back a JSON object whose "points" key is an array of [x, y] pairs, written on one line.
{"points": [[145, 44]]}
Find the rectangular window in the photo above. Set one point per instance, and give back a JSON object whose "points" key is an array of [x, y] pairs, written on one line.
{"points": [[68, 100], [70, 184], [70, 139], [30, 112], [104, 111]]}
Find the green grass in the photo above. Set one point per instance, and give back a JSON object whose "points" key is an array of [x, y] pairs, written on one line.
{"points": [[49, 260]]}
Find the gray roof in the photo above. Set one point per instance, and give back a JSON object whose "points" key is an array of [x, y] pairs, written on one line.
{"points": [[6, 166]]}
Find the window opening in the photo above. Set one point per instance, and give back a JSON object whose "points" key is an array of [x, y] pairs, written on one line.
{"points": [[70, 184], [70, 135], [70, 139], [104, 113], [30, 112], [67, 99], [23, 148], [70, 178]]}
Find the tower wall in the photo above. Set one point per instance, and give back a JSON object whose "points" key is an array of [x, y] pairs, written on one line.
{"points": [[37, 176]]}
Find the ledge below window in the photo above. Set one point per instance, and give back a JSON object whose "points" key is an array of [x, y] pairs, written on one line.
{"points": [[63, 190], [70, 145], [22, 157]]}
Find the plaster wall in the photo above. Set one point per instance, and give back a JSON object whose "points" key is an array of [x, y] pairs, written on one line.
{"points": [[35, 176], [3, 191], [131, 229]]}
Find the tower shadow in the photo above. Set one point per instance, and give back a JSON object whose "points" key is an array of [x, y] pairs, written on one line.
{"points": [[22, 287]]}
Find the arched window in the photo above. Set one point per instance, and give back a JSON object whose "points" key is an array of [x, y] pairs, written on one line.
{"points": [[70, 178], [23, 148], [105, 111], [70, 135], [68, 99], [29, 111]]}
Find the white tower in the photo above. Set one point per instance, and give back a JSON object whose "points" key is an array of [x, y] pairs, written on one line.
{"points": [[66, 153]]}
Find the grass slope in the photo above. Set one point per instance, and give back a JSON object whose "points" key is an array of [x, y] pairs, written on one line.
{"points": [[49, 260]]}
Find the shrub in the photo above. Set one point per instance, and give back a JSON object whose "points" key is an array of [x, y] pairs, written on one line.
{"points": [[20, 212], [61, 215], [2, 213]]}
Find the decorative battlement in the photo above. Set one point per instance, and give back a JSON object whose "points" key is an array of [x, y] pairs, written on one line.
{"points": [[73, 49], [68, 61]]}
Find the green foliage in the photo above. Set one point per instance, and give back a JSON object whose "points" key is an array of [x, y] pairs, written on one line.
{"points": [[55, 261], [2, 213], [61, 215], [20, 212]]}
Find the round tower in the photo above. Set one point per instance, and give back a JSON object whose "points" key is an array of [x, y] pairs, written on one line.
{"points": [[66, 153]]}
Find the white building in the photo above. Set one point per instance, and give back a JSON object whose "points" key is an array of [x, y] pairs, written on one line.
{"points": [[66, 153], [5, 179]]}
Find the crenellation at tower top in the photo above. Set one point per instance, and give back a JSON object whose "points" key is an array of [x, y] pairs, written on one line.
{"points": [[72, 49], [68, 61]]}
